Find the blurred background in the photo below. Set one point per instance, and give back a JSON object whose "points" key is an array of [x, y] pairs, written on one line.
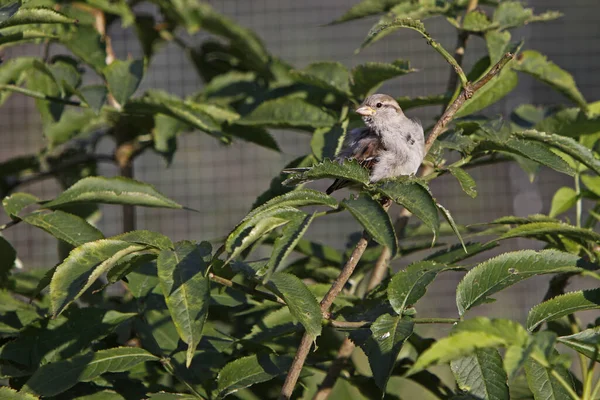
{"points": [[223, 181]]}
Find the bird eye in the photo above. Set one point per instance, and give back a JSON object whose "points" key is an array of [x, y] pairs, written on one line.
{"points": [[378, 105]]}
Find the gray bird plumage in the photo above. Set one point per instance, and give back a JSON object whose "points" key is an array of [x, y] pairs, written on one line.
{"points": [[389, 146]]}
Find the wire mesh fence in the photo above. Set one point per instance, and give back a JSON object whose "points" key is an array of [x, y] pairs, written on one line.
{"points": [[221, 182]]}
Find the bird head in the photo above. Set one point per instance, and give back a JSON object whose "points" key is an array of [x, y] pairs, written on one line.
{"points": [[379, 108]]}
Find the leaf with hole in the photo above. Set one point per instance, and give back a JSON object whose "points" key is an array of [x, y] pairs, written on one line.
{"points": [[181, 274], [374, 219], [505, 270], [562, 305], [54, 378], [117, 190]]}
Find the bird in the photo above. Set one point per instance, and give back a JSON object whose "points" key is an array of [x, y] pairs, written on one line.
{"points": [[390, 145]]}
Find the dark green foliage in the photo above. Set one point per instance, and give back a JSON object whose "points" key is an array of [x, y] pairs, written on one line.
{"points": [[211, 320]]}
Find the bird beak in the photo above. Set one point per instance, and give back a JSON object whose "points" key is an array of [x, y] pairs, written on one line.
{"points": [[365, 111]]}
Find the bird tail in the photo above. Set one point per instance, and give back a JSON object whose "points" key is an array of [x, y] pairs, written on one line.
{"points": [[337, 184]]}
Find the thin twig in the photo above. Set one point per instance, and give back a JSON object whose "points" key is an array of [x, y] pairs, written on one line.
{"points": [[307, 340], [245, 289], [459, 52]]}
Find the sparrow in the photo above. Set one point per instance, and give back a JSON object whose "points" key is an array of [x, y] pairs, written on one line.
{"points": [[390, 144]]}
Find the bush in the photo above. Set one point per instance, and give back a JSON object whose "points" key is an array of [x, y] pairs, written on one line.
{"points": [[202, 320]]}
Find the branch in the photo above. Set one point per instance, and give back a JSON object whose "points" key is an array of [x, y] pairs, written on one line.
{"points": [[466, 94], [459, 52]]}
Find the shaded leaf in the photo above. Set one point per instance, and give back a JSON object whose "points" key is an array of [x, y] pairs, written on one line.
{"points": [[331, 76], [497, 44], [14, 203], [541, 382], [452, 224], [385, 28], [186, 289], [376, 221], [7, 261], [415, 197], [510, 14], [301, 302], [505, 270], [388, 336], [64, 226], [540, 230], [147, 238], [467, 183], [117, 190], [94, 96], [586, 342], [406, 103], [562, 305], [327, 142], [366, 8], [82, 267], [249, 370], [457, 253], [572, 122], [292, 232], [481, 375], [10, 394], [87, 44], [410, 284], [55, 378], [296, 198], [368, 77], [288, 112], [123, 78]]}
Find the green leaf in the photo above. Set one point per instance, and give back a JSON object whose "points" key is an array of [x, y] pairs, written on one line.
{"points": [[83, 266], [543, 384], [8, 9], [388, 336], [253, 134], [115, 7], [292, 232], [170, 396], [406, 103], [301, 302], [535, 64], [251, 229], [366, 8], [52, 379], [467, 183], [481, 375], [497, 44], [117, 190], [457, 253], [586, 342], [376, 221], [123, 78], [562, 305], [86, 43], [469, 335], [142, 275], [296, 198], [453, 226], [327, 75], [249, 370], [510, 14], [16, 36], [288, 112], [64, 226], [327, 142], [94, 96], [567, 145], [415, 197], [10, 394], [540, 230], [477, 21], [562, 201], [36, 15], [385, 28], [147, 238], [186, 289], [14, 203], [505, 270], [349, 169], [53, 339], [492, 92], [368, 77], [410, 284]]}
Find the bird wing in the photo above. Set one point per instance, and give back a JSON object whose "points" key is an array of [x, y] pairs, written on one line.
{"points": [[362, 145]]}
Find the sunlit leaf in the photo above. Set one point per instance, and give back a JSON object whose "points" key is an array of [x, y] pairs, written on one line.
{"points": [[562, 305]]}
